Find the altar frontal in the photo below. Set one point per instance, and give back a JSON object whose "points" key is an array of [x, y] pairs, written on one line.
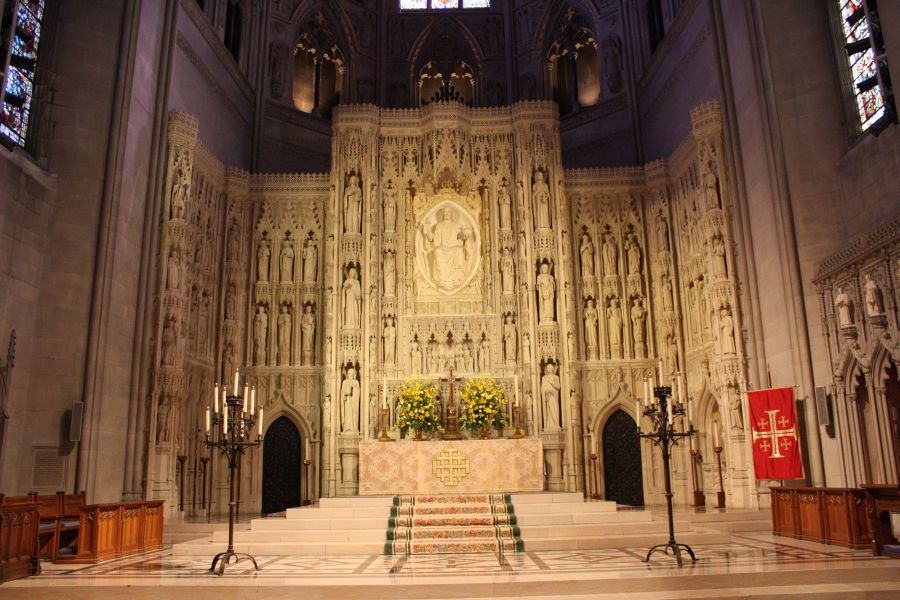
{"points": [[439, 467]]}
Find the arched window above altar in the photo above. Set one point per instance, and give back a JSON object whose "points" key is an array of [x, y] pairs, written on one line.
{"points": [[318, 68], [573, 62]]}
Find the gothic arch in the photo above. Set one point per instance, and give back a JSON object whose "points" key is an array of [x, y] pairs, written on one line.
{"points": [[551, 17], [306, 435], [468, 50], [336, 17]]}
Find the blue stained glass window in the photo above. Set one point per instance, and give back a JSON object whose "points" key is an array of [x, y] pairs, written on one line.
{"points": [[443, 4], [22, 27], [863, 67]]}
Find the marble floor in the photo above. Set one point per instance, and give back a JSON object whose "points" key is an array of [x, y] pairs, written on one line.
{"points": [[756, 565]]}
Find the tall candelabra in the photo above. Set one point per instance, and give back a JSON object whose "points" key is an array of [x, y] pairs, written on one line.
{"points": [[230, 431], [662, 410]]}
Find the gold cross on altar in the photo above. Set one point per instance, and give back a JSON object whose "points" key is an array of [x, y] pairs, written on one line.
{"points": [[772, 437], [451, 432], [450, 467]]}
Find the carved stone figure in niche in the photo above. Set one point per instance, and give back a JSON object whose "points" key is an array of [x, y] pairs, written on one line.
{"points": [[844, 308], [173, 272], [668, 302], [510, 340], [310, 261], [737, 413], [468, 357], [390, 207], [415, 356], [180, 185], [203, 319], [637, 320], [662, 233], [231, 303], [507, 272], [612, 62], [587, 255], [228, 365], [505, 206], [614, 319], [711, 184], [591, 317], [260, 334], [163, 412], [352, 292], [526, 348], [726, 324], [262, 261], [719, 268], [484, 355], [287, 261], [326, 414], [550, 387], [430, 356], [671, 354], [447, 247], [874, 300], [610, 255], [540, 192], [353, 206], [350, 395], [390, 274], [233, 251], [284, 336], [168, 343], [390, 341], [546, 286], [633, 252], [308, 334]]}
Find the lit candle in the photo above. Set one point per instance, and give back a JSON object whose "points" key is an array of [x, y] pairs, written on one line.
{"points": [[236, 379], [224, 398], [207, 420], [216, 399], [652, 388], [225, 420], [246, 398], [669, 411], [259, 431], [383, 399], [253, 399], [646, 391], [716, 434], [680, 389]]}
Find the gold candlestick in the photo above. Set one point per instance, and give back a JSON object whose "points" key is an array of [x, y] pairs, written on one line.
{"points": [[384, 437], [517, 416]]}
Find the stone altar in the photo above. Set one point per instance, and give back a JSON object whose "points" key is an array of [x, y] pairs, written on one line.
{"points": [[440, 467]]}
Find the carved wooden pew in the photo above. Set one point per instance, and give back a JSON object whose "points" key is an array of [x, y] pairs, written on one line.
{"points": [[824, 515], [18, 537], [882, 500], [118, 529], [59, 522]]}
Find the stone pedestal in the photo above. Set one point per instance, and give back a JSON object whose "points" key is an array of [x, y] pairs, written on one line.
{"points": [[554, 443], [348, 451]]}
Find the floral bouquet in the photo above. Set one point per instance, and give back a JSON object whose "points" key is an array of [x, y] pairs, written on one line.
{"points": [[419, 407], [481, 404]]}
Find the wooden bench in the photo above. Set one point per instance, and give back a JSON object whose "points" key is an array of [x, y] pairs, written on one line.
{"points": [[59, 522], [882, 500], [117, 529], [825, 515], [19, 522]]}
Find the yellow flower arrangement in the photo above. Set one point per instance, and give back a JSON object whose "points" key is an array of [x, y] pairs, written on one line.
{"points": [[482, 403], [419, 406]]}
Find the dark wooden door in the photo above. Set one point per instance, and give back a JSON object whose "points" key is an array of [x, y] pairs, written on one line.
{"points": [[281, 467], [622, 460]]}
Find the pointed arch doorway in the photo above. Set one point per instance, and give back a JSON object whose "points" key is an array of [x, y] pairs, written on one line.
{"points": [[281, 480], [624, 481]]}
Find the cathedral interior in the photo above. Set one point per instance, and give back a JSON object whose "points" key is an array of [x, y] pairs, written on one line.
{"points": [[568, 196]]}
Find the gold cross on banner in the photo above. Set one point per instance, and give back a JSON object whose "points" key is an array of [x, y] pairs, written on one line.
{"points": [[450, 467], [774, 438]]}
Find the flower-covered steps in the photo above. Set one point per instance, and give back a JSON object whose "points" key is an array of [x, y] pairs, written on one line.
{"points": [[453, 524]]}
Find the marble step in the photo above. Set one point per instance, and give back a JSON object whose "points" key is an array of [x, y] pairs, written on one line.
{"points": [[319, 524], [314, 535], [277, 548], [452, 533], [453, 521], [307, 512], [454, 546], [641, 540], [578, 531]]}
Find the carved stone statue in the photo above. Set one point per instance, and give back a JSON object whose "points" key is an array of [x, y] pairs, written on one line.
{"points": [[326, 414], [308, 333], [718, 251], [546, 287], [173, 272], [262, 261], [310, 261], [637, 321], [390, 341], [671, 355], [633, 253], [163, 413], [230, 303], [587, 256], [353, 206], [610, 255], [284, 336], [737, 413], [510, 340], [726, 324], [711, 185], [448, 250], [591, 317], [505, 206], [228, 360], [350, 395], [168, 343], [390, 207], [526, 348], [484, 355], [390, 274], [352, 299], [614, 319], [260, 334], [550, 387], [287, 262], [668, 302], [415, 356], [874, 300], [181, 185], [507, 272], [233, 252], [540, 192], [662, 234], [844, 308]]}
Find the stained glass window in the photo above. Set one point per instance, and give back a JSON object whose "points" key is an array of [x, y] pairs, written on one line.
{"points": [[443, 4], [862, 59], [21, 35]]}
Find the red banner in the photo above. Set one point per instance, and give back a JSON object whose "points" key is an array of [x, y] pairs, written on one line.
{"points": [[775, 435]]}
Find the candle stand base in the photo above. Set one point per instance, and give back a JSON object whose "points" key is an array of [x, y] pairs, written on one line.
{"points": [[229, 557], [676, 550]]}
